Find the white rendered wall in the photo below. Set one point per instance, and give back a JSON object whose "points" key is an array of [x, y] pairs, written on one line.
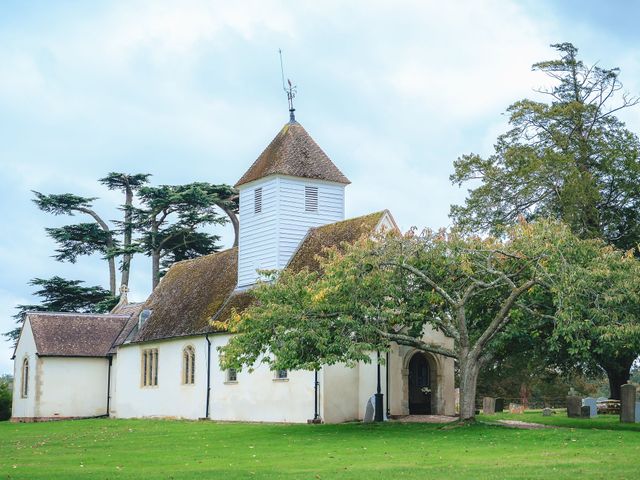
{"points": [[258, 396], [170, 398], [26, 348], [268, 239], [340, 393], [72, 387]]}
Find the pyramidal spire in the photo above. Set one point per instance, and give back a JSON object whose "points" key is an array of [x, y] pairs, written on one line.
{"points": [[290, 89]]}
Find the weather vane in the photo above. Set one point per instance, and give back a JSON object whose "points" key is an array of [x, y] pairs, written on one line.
{"points": [[290, 90]]}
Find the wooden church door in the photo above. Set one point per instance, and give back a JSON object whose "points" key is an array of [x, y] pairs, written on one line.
{"points": [[419, 382]]}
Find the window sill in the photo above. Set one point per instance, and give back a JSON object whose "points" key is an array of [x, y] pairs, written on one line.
{"points": [[280, 379], [189, 384], [231, 382]]}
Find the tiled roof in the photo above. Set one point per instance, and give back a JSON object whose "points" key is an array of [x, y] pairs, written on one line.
{"points": [[75, 334], [188, 296], [332, 235], [293, 152], [195, 292]]}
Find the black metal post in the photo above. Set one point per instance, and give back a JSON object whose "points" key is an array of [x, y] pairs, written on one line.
{"points": [[379, 413], [316, 413]]}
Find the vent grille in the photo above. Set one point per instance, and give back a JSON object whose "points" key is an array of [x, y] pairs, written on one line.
{"points": [[311, 199], [257, 200]]}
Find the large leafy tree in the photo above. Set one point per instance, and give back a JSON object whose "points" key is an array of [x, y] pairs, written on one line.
{"points": [[571, 159], [371, 293], [61, 295], [169, 220]]}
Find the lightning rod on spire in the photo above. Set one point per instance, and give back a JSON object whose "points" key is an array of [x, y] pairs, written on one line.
{"points": [[290, 90]]}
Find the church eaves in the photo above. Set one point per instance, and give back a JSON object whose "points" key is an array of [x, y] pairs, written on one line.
{"points": [[293, 152]]}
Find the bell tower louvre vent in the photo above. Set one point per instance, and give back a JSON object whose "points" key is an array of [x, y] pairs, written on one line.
{"points": [[257, 200], [311, 199]]}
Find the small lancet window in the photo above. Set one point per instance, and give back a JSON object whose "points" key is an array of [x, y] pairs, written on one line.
{"points": [[310, 199], [282, 374], [257, 200], [232, 375], [150, 367], [188, 365], [24, 391]]}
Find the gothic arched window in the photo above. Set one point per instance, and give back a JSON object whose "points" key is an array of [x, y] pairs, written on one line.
{"points": [[188, 365], [25, 378]]}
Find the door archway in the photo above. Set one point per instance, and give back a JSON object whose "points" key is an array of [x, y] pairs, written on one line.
{"points": [[419, 385]]}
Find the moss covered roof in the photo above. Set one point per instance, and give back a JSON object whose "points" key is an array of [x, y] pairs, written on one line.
{"points": [[293, 152], [195, 292], [332, 235], [188, 296]]}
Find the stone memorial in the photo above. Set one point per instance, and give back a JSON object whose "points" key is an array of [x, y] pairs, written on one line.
{"points": [[628, 403], [499, 405], [574, 406], [516, 408], [637, 412], [488, 405], [547, 412], [370, 410], [592, 404], [585, 411]]}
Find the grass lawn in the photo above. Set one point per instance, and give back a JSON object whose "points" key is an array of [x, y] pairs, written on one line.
{"points": [[119, 449]]}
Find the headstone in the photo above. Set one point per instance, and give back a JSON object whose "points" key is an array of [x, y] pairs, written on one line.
{"points": [[499, 405], [489, 406], [574, 405], [591, 403], [370, 410], [516, 408], [637, 412], [585, 411], [628, 403], [547, 412]]}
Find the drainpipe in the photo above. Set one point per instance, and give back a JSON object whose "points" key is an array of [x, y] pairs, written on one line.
{"points": [[387, 371], [109, 385], [316, 413], [208, 374]]}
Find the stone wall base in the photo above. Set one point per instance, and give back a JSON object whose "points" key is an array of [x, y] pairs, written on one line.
{"points": [[42, 419]]}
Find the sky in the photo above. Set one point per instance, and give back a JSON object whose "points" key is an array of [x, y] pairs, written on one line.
{"points": [[188, 91]]}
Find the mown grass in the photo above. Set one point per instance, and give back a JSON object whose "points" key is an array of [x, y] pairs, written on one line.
{"points": [[149, 449]]}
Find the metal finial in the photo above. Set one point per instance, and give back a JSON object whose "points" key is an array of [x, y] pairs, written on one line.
{"points": [[290, 90]]}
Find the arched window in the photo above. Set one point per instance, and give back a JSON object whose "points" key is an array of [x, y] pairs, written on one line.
{"points": [[25, 378], [188, 365]]}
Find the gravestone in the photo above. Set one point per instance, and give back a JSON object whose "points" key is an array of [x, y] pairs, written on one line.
{"points": [[489, 406], [591, 403], [585, 411], [574, 406], [628, 403], [637, 412], [370, 410], [516, 408], [499, 405], [547, 412]]}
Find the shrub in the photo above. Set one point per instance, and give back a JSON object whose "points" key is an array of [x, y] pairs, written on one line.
{"points": [[5, 401]]}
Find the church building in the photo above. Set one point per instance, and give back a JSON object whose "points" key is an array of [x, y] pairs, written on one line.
{"points": [[159, 358]]}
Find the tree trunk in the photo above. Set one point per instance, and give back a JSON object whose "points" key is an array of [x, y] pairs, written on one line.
{"points": [[128, 234], [618, 373], [234, 221], [112, 275], [469, 369], [155, 269]]}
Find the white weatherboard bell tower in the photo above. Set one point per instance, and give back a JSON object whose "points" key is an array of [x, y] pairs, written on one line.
{"points": [[291, 187]]}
